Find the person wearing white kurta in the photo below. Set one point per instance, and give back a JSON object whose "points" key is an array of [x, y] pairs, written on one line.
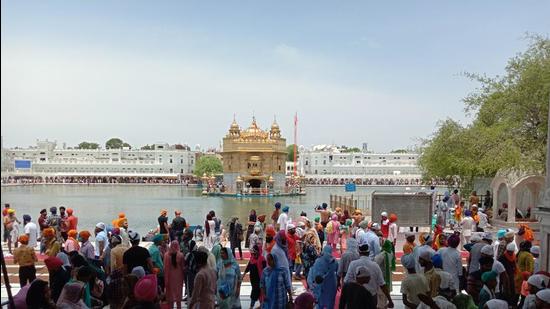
{"points": [[452, 264]]}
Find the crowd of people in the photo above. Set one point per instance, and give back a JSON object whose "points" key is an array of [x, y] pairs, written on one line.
{"points": [[95, 180], [365, 181], [343, 260]]}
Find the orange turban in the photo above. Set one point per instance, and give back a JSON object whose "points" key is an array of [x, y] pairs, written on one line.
{"points": [[121, 215], [270, 231], [24, 239], [84, 235], [72, 233], [120, 222], [163, 212], [393, 217], [69, 211], [49, 232]]}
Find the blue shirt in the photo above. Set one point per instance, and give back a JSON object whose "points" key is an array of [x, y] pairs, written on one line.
{"points": [[101, 236]]}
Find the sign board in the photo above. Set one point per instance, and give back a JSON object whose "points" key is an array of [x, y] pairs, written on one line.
{"points": [[350, 187], [412, 209], [22, 164]]}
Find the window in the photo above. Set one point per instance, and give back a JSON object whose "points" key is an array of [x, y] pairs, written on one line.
{"points": [[279, 167], [358, 162], [306, 162], [170, 160], [324, 162], [181, 171], [181, 161]]}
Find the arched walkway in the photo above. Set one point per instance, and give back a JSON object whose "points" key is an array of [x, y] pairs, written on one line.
{"points": [[515, 196]]}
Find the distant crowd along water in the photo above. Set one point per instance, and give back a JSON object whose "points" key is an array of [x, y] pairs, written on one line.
{"points": [[195, 181]]}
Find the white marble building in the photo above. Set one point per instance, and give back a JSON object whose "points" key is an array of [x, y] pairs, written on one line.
{"points": [[327, 161], [47, 159]]}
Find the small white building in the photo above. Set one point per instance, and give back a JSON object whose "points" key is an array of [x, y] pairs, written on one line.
{"points": [[47, 159]]}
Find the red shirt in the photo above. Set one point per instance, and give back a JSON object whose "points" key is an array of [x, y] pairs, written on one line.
{"points": [[291, 241], [72, 221]]}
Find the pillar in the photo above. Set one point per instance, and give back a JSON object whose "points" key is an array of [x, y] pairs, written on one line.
{"points": [[512, 201], [543, 212]]}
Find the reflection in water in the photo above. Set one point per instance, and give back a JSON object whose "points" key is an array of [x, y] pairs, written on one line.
{"points": [[142, 203]]}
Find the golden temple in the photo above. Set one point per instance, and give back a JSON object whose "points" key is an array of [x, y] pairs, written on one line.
{"points": [[254, 159]]}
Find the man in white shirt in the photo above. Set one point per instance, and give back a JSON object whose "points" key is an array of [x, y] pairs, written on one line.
{"points": [[413, 284], [283, 219], [452, 262], [483, 220], [371, 239], [467, 225], [31, 230], [101, 240], [376, 279]]}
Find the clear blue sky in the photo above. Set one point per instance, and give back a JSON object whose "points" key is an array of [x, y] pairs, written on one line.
{"points": [[150, 71]]}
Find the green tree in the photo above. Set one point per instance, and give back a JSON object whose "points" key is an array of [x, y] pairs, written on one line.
{"points": [[290, 153], [126, 145], [147, 147], [114, 143], [509, 126], [209, 165], [87, 145], [352, 149], [399, 151]]}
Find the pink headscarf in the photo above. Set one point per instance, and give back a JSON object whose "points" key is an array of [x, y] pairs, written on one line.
{"points": [[334, 217], [146, 288], [174, 247]]}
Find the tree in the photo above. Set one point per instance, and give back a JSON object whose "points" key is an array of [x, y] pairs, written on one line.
{"points": [[509, 126], [147, 147], [352, 149], [126, 145], [87, 145], [209, 165], [399, 151], [114, 143], [290, 152]]}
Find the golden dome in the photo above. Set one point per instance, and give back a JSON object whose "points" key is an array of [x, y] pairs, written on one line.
{"points": [[275, 131], [254, 132]]}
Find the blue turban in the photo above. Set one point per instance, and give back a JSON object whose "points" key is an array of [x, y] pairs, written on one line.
{"points": [[286, 208], [26, 218], [468, 213], [437, 261], [501, 233], [278, 205], [158, 238]]}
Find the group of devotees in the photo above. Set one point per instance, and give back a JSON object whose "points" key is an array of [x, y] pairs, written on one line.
{"points": [[341, 259]]}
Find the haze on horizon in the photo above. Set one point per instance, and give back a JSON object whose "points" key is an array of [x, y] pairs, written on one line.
{"points": [[177, 72]]}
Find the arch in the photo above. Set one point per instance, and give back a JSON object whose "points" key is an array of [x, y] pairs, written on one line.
{"points": [[255, 183]]}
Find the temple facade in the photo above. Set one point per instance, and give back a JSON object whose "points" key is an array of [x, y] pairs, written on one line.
{"points": [[254, 159]]}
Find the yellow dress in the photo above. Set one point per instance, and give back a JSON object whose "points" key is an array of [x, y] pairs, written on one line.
{"points": [[525, 262]]}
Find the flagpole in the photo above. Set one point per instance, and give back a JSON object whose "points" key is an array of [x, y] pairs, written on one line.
{"points": [[295, 140]]}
